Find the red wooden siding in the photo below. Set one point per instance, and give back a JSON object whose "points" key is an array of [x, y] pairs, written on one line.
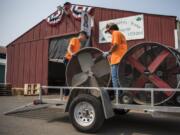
{"points": [[95, 31], [21, 65], [33, 62], [45, 63], [28, 55], [27, 59], [39, 61]]}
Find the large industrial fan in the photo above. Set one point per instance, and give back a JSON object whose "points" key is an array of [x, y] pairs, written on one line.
{"points": [[150, 65], [88, 69]]}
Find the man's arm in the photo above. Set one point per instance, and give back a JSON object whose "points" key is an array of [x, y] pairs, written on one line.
{"points": [[113, 48], [69, 50], [115, 41]]}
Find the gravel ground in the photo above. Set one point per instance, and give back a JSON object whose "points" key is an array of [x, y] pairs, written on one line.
{"points": [[53, 122]]}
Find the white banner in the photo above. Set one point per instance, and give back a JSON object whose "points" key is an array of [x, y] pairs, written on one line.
{"points": [[132, 27]]}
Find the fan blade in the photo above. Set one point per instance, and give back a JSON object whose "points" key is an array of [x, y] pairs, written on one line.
{"points": [[136, 64], [101, 68], [140, 82], [93, 82], [158, 60], [79, 79], [98, 58], [85, 61], [161, 84]]}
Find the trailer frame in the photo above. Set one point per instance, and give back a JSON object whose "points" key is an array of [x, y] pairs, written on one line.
{"points": [[102, 96], [115, 105]]}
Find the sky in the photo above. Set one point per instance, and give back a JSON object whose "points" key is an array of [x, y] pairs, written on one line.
{"points": [[18, 16]]}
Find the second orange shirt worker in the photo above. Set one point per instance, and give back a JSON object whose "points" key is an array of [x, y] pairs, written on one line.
{"points": [[117, 51], [118, 39], [75, 46]]}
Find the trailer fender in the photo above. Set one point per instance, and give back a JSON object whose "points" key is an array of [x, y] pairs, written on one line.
{"points": [[103, 95]]}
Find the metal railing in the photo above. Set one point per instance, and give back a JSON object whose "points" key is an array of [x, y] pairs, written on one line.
{"points": [[62, 89], [117, 104]]}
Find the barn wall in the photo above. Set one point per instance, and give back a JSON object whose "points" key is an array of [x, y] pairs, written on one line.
{"points": [[27, 56], [27, 63]]}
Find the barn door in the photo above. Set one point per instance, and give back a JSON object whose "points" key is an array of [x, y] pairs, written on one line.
{"points": [[56, 68]]}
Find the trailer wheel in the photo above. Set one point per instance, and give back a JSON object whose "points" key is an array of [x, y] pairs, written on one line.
{"points": [[86, 113]]}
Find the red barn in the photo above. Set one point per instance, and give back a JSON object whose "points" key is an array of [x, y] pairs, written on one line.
{"points": [[28, 59]]}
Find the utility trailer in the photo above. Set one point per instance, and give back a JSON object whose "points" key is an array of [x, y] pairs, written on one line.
{"points": [[149, 76], [88, 107]]}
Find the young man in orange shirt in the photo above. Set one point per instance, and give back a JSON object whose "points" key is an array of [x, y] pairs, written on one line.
{"points": [[118, 49], [75, 45]]}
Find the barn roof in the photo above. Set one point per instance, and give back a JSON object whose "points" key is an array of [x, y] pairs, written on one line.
{"points": [[94, 7]]}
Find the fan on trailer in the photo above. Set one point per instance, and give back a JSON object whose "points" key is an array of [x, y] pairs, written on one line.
{"points": [[177, 71], [150, 65], [88, 68]]}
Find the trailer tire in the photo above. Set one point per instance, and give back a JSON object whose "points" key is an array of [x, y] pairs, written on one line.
{"points": [[87, 119]]}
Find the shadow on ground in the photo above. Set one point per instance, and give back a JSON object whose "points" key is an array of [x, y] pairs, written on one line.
{"points": [[50, 115], [140, 124], [130, 124]]}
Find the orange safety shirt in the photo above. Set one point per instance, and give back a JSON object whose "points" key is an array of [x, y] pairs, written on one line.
{"points": [[75, 46], [118, 39]]}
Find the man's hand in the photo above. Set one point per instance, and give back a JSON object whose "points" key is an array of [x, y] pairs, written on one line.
{"points": [[105, 54], [73, 54], [113, 48]]}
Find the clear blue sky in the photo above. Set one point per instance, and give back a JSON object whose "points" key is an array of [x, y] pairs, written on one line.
{"points": [[17, 16]]}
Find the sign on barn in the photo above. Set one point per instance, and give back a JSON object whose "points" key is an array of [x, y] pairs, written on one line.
{"points": [[132, 27]]}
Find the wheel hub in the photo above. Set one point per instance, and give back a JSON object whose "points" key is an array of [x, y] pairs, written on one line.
{"points": [[159, 73], [147, 72], [84, 114], [90, 73]]}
